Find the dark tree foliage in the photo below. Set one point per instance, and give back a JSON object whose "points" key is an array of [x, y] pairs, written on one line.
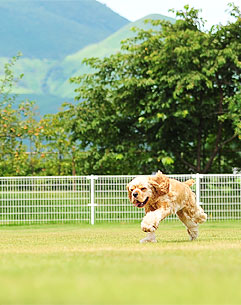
{"points": [[169, 100]]}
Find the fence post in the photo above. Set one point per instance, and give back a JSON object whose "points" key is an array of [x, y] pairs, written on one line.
{"points": [[92, 204], [198, 184]]}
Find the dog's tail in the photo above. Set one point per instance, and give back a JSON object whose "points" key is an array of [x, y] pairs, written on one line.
{"points": [[189, 182]]}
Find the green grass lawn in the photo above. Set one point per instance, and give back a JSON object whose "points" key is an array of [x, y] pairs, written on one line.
{"points": [[106, 264]]}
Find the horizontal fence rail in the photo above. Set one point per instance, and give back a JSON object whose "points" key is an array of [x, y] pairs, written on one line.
{"points": [[94, 199]]}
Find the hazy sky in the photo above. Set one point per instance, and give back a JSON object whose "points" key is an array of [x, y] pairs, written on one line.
{"points": [[212, 10]]}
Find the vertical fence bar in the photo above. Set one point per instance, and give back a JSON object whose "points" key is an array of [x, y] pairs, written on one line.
{"points": [[198, 188], [92, 198]]}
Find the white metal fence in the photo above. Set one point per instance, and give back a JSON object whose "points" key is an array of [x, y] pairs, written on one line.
{"points": [[93, 199]]}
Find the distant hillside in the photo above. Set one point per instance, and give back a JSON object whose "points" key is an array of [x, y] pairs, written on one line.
{"points": [[53, 29], [72, 65], [47, 80]]}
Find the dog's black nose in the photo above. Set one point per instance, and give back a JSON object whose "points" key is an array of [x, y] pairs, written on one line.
{"points": [[135, 194]]}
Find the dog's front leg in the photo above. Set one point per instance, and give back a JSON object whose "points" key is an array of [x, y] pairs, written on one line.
{"points": [[152, 219]]}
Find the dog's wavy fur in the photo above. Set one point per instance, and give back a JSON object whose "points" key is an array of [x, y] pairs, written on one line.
{"points": [[161, 196]]}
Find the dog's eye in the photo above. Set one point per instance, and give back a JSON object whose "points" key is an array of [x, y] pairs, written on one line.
{"points": [[143, 188]]}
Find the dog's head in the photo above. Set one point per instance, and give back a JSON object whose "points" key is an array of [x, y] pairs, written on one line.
{"points": [[144, 189]]}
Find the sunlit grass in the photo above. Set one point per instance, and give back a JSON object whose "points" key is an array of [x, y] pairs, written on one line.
{"points": [[105, 264]]}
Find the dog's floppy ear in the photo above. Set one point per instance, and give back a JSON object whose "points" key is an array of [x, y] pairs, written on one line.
{"points": [[160, 183], [129, 192]]}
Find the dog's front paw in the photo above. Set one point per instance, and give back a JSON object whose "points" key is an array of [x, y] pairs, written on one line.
{"points": [[149, 222], [147, 227]]}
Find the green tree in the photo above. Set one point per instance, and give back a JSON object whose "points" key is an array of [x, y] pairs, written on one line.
{"points": [[58, 151], [168, 100], [18, 126]]}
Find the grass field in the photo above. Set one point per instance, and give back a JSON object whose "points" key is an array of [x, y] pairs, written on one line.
{"points": [[105, 264]]}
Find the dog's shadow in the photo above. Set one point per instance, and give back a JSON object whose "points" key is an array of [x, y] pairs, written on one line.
{"points": [[176, 241]]}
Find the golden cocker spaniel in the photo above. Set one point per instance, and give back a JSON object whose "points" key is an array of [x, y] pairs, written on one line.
{"points": [[162, 196]]}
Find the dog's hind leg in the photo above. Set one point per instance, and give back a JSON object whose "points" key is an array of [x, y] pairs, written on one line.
{"points": [[192, 227]]}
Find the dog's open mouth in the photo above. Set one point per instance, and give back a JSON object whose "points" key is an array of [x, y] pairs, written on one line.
{"points": [[141, 204]]}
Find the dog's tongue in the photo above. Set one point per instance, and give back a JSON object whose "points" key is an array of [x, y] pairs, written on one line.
{"points": [[139, 204]]}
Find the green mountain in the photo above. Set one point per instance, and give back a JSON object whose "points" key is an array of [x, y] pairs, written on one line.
{"points": [[58, 82], [47, 69], [55, 28]]}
